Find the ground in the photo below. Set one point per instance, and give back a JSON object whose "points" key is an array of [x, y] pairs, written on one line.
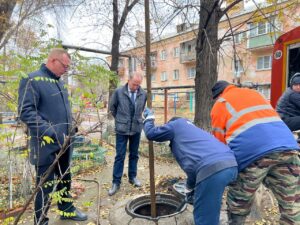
{"points": [[166, 170]]}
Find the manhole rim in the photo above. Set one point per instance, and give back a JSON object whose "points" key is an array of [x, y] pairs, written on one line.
{"points": [[147, 200]]}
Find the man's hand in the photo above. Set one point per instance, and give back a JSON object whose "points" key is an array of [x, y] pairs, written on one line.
{"points": [[148, 114]]}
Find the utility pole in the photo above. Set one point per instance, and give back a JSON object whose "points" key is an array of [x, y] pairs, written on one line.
{"points": [[149, 104]]}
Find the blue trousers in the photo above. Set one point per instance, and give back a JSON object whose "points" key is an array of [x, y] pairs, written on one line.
{"points": [[208, 196], [121, 145]]}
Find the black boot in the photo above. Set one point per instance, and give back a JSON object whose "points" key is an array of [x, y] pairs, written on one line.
{"points": [[234, 219]]}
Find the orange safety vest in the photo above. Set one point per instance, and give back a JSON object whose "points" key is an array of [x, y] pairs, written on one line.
{"points": [[238, 109]]}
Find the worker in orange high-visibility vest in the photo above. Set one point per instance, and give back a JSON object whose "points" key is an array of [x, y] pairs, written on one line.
{"points": [[265, 149]]}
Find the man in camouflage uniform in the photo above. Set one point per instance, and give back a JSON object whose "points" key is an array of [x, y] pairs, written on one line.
{"points": [[265, 149]]}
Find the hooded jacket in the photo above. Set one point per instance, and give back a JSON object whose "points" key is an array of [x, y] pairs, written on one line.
{"points": [[244, 120]]}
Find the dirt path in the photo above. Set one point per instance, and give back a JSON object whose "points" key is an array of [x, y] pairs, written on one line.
{"points": [[165, 170], [87, 200]]}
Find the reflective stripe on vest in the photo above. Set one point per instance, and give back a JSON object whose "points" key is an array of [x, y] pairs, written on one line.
{"points": [[237, 115], [251, 124], [217, 129]]}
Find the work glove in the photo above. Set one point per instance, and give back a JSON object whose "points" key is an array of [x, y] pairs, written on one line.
{"points": [[148, 114], [189, 196]]}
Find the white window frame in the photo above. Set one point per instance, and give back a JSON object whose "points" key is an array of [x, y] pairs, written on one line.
{"points": [[191, 73], [153, 77], [264, 62], [164, 76], [175, 74], [264, 91], [163, 55], [176, 52], [238, 38], [260, 28]]}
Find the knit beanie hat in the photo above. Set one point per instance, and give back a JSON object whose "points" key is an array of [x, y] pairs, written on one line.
{"points": [[295, 79], [218, 88]]}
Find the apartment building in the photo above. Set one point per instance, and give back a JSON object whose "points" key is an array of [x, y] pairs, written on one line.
{"points": [[245, 58]]}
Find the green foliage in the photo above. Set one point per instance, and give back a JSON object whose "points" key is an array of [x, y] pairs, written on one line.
{"points": [[58, 196], [92, 84], [14, 66], [8, 221], [87, 204]]}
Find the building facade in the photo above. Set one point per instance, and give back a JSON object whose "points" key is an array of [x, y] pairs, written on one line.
{"points": [[244, 58]]}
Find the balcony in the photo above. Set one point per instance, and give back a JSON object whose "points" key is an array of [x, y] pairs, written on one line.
{"points": [[262, 41], [187, 57]]}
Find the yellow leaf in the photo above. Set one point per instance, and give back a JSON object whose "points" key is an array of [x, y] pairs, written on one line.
{"points": [[48, 139]]}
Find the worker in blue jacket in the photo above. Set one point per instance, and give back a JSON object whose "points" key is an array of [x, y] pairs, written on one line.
{"points": [[208, 163]]}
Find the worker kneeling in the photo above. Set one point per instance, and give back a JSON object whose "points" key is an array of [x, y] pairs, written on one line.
{"points": [[208, 163]]}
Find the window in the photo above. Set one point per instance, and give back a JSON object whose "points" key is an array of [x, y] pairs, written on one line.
{"points": [[264, 63], [238, 38], [133, 64], [265, 91], [164, 76], [175, 74], [153, 77], [191, 72], [261, 27], [163, 55], [121, 63], [176, 52]]}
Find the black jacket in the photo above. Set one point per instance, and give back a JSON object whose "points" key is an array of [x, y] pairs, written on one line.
{"points": [[44, 107], [289, 104]]}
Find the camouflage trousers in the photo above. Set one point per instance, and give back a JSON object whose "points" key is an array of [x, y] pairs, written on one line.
{"points": [[280, 172]]}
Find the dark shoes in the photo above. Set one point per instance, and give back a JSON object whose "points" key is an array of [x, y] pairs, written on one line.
{"points": [[78, 216], [114, 189], [135, 182]]}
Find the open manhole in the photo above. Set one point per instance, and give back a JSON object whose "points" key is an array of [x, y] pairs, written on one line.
{"points": [[166, 206]]}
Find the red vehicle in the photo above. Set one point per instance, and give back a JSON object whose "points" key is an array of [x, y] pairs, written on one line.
{"points": [[285, 62]]}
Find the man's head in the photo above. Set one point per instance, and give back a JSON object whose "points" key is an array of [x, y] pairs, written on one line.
{"points": [[58, 61], [135, 81], [295, 82], [218, 88]]}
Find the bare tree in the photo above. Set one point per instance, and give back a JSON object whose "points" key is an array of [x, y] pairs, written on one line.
{"points": [[13, 14], [118, 24], [206, 57]]}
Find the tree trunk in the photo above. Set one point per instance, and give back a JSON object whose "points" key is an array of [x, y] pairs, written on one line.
{"points": [[206, 64], [115, 55], [6, 10]]}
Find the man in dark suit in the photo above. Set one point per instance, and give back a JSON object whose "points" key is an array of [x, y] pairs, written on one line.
{"points": [[126, 106], [44, 107]]}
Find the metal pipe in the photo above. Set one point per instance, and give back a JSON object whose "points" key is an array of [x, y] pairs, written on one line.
{"points": [[98, 196], [149, 104]]}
